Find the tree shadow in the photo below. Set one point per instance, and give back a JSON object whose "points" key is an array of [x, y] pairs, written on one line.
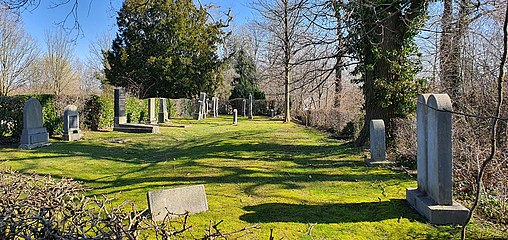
{"points": [[330, 213]]}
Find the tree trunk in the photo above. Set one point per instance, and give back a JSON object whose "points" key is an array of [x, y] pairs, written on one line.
{"points": [[287, 67]]}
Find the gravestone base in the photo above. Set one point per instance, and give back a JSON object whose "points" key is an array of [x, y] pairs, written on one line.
{"points": [[31, 140], [371, 162], [436, 214], [137, 128], [72, 136]]}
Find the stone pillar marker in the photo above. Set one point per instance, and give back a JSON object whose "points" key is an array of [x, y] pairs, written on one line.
{"points": [[120, 117], [377, 141], [214, 107], [163, 110], [235, 117], [249, 106], [205, 108], [439, 149], [433, 197], [152, 119], [200, 107], [34, 133], [421, 141], [71, 130]]}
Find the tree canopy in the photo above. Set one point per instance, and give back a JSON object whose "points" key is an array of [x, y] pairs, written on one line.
{"points": [[165, 48]]}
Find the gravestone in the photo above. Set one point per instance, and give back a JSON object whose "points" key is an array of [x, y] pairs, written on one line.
{"points": [[71, 130], [119, 109], [235, 117], [163, 110], [433, 197], [249, 106], [198, 115], [121, 124], [214, 107], [205, 108], [377, 141], [152, 119], [272, 113], [244, 107], [177, 201], [34, 133]]}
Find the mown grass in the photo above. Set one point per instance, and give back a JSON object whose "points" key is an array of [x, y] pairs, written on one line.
{"points": [[284, 177]]}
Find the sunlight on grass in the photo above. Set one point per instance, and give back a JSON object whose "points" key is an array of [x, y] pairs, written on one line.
{"points": [[287, 177]]}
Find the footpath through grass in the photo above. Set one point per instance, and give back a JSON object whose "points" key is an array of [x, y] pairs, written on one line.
{"points": [[284, 177]]}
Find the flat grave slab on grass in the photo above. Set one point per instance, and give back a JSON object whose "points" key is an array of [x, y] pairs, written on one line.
{"points": [[177, 201]]}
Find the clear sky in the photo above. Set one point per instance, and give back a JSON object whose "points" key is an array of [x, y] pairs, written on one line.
{"points": [[98, 17]]}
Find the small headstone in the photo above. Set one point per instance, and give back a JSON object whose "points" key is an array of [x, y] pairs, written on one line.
{"points": [[235, 117], [198, 115], [34, 133], [272, 113], [249, 106], [205, 108], [176, 201], [433, 197], [163, 110], [119, 108], [71, 131], [152, 119], [377, 141]]}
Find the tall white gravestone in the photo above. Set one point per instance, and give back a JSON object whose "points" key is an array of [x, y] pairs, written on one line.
{"points": [[433, 197], [377, 141], [34, 133], [235, 117], [249, 107], [71, 131], [152, 119]]}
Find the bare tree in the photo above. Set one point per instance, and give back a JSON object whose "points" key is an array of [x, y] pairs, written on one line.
{"points": [[18, 51], [58, 72], [284, 21]]}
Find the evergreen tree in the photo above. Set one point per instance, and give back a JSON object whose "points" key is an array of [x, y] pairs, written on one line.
{"points": [[164, 48], [246, 81]]}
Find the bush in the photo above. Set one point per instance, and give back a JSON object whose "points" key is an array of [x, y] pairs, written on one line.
{"points": [[35, 207], [98, 113], [137, 109]]}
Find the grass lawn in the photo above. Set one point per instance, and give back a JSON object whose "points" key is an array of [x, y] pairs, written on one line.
{"points": [[284, 177]]}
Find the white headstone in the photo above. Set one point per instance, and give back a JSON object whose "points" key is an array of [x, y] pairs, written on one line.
{"points": [[34, 134], [377, 140], [71, 131]]}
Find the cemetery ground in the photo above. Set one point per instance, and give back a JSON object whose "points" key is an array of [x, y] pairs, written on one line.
{"points": [[295, 180]]}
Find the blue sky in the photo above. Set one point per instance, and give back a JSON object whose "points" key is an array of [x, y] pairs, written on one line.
{"points": [[98, 17]]}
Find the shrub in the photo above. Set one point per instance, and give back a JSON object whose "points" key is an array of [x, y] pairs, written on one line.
{"points": [[137, 109], [35, 207], [98, 113]]}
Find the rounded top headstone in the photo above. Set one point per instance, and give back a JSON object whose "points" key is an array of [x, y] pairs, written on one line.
{"points": [[71, 108], [440, 102], [32, 114]]}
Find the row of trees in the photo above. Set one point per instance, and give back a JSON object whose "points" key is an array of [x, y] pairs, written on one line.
{"points": [[25, 68]]}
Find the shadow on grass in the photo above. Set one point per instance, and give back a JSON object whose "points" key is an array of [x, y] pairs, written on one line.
{"points": [[330, 213]]}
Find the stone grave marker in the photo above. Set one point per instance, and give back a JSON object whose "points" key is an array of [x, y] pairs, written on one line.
{"points": [[235, 117], [71, 131], [152, 119], [176, 201], [377, 141], [121, 124], [34, 134], [214, 107], [249, 106], [163, 110], [433, 197]]}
